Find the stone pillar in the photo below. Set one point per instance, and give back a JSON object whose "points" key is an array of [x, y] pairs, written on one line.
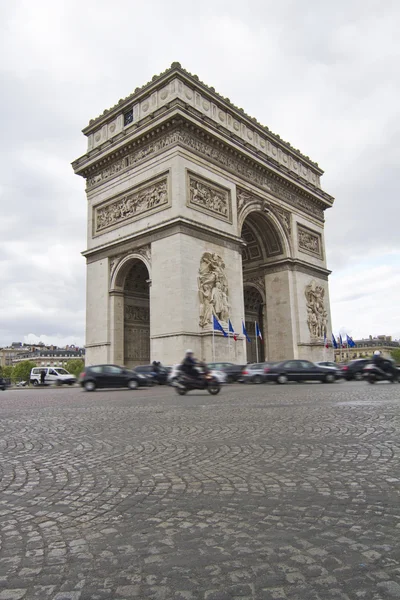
{"points": [[279, 304], [117, 327], [97, 313]]}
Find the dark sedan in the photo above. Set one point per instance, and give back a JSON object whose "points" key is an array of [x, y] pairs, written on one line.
{"points": [[299, 370], [110, 376], [233, 372], [3, 383], [156, 374], [354, 369]]}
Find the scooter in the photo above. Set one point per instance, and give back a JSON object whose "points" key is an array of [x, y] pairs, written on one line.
{"points": [[184, 384], [372, 373]]}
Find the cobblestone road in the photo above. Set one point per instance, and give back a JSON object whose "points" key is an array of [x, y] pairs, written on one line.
{"points": [[262, 493]]}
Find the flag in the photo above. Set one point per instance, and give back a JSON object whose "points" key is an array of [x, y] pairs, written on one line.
{"points": [[218, 327], [350, 342], [334, 342], [231, 330], [326, 344], [258, 332], [245, 332], [340, 340]]}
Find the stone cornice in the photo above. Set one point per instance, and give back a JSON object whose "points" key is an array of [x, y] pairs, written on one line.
{"points": [[178, 225], [178, 83], [174, 132], [288, 264]]}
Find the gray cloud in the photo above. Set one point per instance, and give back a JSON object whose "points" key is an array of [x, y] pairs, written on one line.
{"points": [[325, 77]]}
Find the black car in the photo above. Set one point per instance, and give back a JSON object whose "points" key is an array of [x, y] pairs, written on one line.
{"points": [[109, 376], [354, 369], [299, 370], [233, 372], [159, 376], [3, 383]]}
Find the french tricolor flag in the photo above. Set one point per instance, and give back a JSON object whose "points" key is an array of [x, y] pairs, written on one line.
{"points": [[258, 332]]}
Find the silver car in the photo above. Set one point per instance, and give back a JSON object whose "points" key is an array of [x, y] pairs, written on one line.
{"points": [[255, 372]]}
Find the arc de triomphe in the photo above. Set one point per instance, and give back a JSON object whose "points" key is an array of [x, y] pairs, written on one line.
{"points": [[196, 209]]}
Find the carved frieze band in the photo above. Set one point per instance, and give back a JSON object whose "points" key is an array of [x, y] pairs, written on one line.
{"points": [[309, 241], [138, 314], [146, 198], [244, 197], [208, 197], [216, 154]]}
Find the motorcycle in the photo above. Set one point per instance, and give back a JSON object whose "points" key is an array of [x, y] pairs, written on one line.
{"points": [[372, 373], [206, 381]]}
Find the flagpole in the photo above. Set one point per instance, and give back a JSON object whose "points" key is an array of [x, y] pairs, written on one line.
{"points": [[213, 343], [255, 329]]}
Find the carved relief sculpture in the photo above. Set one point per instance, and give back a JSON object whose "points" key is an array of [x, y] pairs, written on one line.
{"points": [[317, 316], [309, 241], [209, 198], [213, 289], [132, 204]]}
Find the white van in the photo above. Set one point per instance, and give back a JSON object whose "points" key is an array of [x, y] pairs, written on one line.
{"points": [[53, 375]]}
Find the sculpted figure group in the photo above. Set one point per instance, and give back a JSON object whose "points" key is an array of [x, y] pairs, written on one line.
{"points": [[317, 316], [213, 289]]}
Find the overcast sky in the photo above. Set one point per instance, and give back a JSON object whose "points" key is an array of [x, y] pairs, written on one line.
{"points": [[324, 76]]}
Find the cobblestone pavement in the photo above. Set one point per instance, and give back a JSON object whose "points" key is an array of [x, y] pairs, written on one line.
{"points": [[262, 493]]}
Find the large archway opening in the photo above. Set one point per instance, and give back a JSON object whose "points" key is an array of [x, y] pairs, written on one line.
{"points": [[263, 247], [136, 316]]}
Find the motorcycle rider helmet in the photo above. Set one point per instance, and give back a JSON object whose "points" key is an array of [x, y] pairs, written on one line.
{"points": [[189, 351], [377, 353]]}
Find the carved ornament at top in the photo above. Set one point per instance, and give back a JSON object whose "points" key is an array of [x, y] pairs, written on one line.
{"points": [[309, 241], [143, 199], [176, 83], [209, 197]]}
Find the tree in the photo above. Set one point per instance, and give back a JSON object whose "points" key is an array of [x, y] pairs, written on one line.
{"points": [[22, 370], [6, 371], [396, 355], [75, 366]]}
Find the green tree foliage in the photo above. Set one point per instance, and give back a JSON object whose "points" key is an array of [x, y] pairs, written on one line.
{"points": [[396, 355], [6, 371], [22, 370], [75, 366]]}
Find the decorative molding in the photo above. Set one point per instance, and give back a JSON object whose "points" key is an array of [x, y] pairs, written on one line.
{"points": [[244, 197], [137, 314], [317, 316], [132, 158], [208, 197], [146, 198], [258, 281], [309, 241], [144, 251], [220, 155], [213, 289]]}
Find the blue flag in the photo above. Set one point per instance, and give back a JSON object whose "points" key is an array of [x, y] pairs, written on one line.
{"points": [[218, 327], [245, 332], [230, 327], [334, 342], [340, 339], [258, 332], [350, 342]]}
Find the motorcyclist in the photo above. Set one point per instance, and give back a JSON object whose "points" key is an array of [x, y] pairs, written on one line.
{"points": [[383, 364], [188, 365]]}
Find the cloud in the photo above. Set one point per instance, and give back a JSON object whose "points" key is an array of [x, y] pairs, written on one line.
{"points": [[323, 76]]}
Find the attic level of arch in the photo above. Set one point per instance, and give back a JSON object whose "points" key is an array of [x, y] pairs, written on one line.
{"points": [[181, 132]]}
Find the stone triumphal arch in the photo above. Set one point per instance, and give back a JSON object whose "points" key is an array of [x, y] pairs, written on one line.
{"points": [[195, 210]]}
